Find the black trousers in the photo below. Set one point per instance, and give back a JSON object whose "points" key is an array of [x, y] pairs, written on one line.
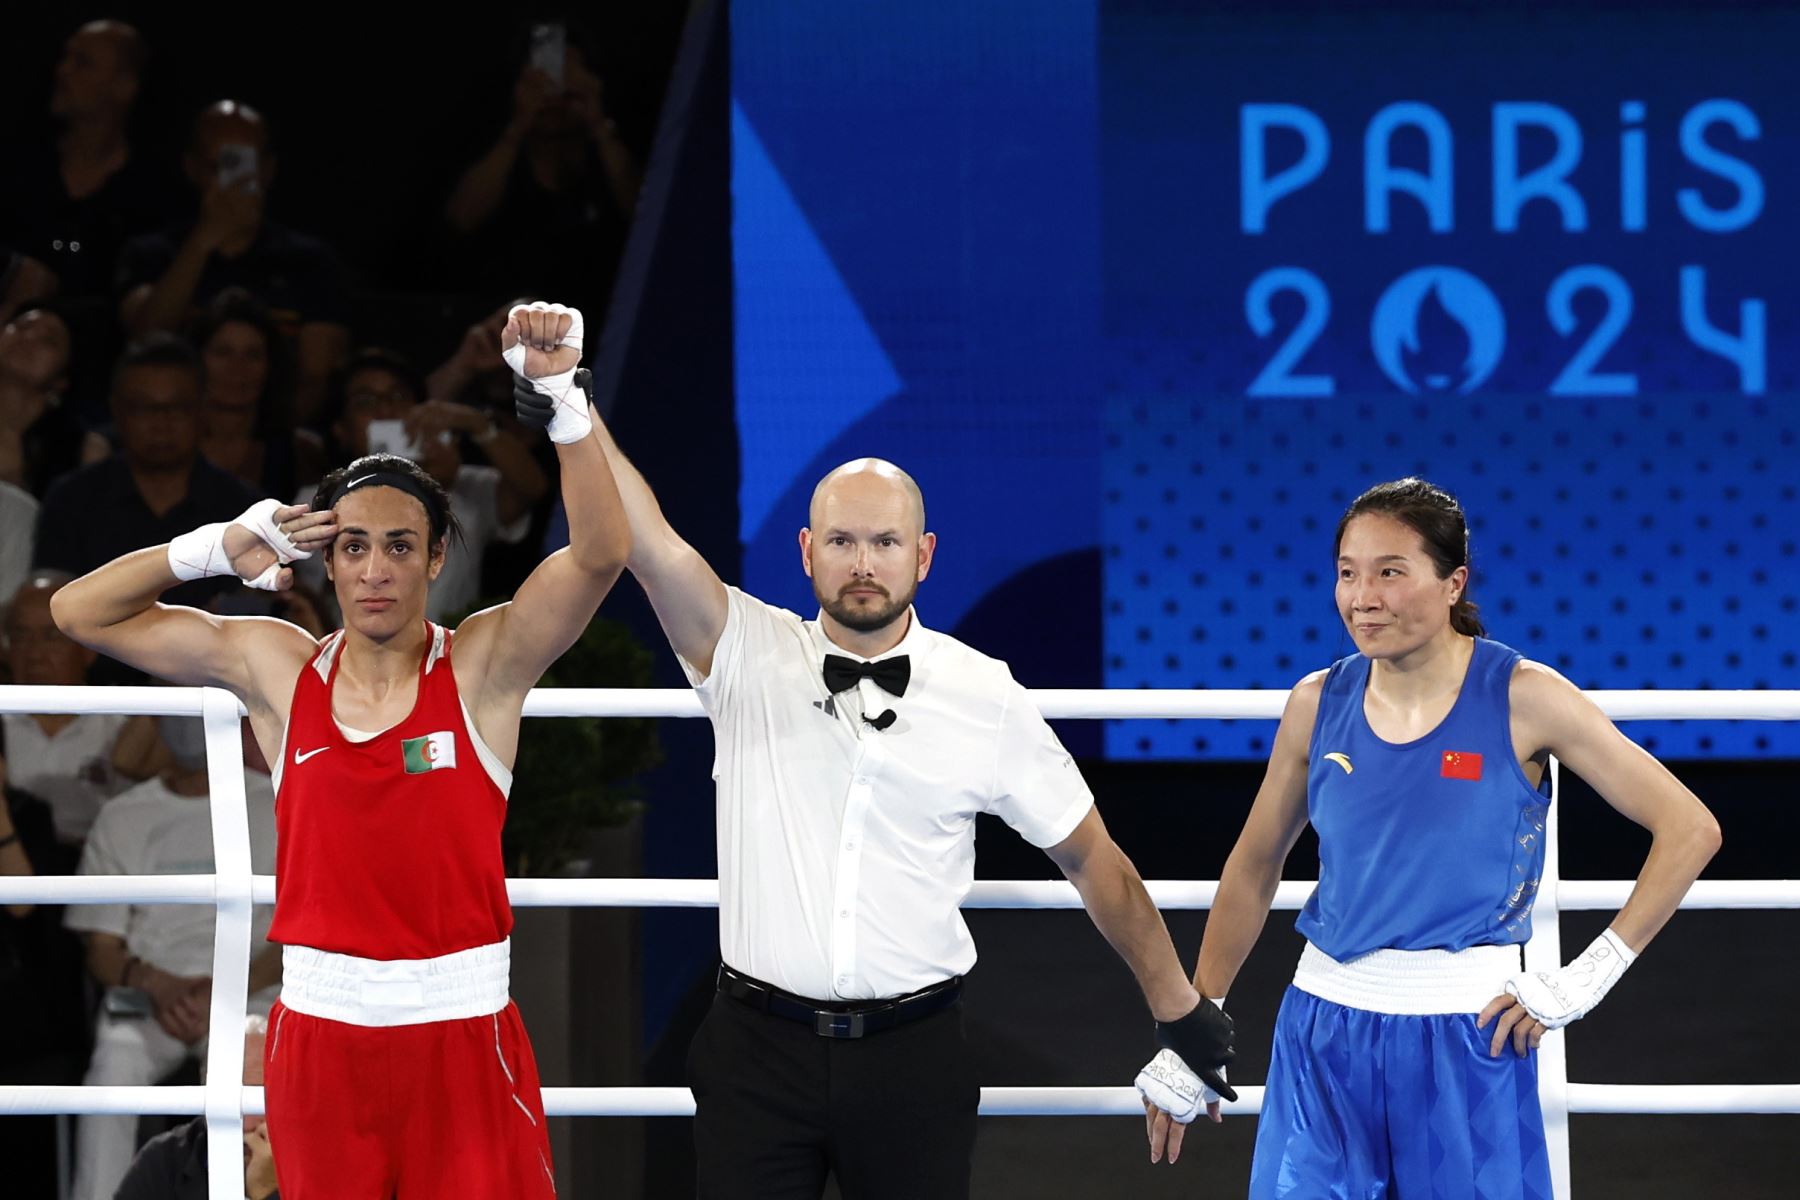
{"points": [[779, 1108]]}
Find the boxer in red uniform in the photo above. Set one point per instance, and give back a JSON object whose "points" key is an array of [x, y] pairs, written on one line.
{"points": [[396, 1065]]}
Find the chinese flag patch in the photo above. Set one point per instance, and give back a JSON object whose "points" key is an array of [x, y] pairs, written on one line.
{"points": [[1460, 764]]}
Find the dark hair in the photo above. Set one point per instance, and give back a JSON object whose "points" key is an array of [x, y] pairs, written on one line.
{"points": [[238, 306], [157, 350], [1437, 518], [441, 521]]}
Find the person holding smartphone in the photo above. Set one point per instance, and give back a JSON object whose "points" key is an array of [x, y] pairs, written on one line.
{"points": [[167, 277]]}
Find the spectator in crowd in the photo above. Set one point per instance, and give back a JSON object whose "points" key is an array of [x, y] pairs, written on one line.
{"points": [[43, 1030], [381, 409], [71, 203], [155, 960], [475, 374], [246, 415], [172, 1166], [73, 762], [40, 435], [549, 203], [22, 280], [165, 276], [156, 487], [18, 512]]}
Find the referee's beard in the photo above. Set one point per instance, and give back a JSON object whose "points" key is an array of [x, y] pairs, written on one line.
{"points": [[861, 617]]}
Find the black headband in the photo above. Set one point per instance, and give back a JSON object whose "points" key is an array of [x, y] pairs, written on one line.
{"points": [[383, 478]]}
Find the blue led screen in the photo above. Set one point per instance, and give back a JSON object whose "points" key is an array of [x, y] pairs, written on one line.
{"points": [[1152, 290]]}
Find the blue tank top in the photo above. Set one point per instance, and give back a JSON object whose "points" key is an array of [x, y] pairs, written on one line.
{"points": [[1432, 844]]}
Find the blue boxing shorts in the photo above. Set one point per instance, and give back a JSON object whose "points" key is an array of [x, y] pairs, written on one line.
{"points": [[1368, 1103]]}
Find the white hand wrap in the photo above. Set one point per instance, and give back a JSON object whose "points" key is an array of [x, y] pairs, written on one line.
{"points": [[1556, 998], [571, 422], [1167, 1083], [200, 553]]}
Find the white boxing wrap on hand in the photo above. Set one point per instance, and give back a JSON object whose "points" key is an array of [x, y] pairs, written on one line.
{"points": [[200, 553], [1167, 1083], [1556, 998], [570, 422]]}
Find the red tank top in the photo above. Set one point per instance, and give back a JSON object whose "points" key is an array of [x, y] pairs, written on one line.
{"points": [[389, 848]]}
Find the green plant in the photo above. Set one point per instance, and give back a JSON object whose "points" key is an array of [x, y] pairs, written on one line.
{"points": [[574, 775]]}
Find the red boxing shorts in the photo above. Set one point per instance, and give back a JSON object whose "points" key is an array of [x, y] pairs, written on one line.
{"points": [[405, 1112]]}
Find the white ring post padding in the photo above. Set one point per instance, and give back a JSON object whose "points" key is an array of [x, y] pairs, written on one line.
{"points": [[1544, 953], [231, 947]]}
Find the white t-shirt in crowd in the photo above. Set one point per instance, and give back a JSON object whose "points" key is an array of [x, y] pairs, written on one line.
{"points": [[845, 852], [72, 771], [18, 517], [151, 830], [475, 501]]}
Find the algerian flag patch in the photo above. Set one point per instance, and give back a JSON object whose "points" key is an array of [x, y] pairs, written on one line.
{"points": [[433, 752]]}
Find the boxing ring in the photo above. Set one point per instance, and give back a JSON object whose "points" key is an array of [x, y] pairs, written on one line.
{"points": [[234, 890]]}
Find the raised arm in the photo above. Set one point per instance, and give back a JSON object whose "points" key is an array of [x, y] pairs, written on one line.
{"points": [[502, 653], [687, 594]]}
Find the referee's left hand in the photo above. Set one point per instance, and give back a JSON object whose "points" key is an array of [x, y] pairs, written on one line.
{"points": [[1525, 1030]]}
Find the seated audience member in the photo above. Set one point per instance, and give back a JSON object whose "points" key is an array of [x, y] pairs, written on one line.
{"points": [[23, 279], [172, 1166], [475, 374], [43, 1031], [40, 435], [380, 396], [155, 960], [549, 203], [246, 412], [165, 277], [156, 487], [71, 201], [73, 762]]}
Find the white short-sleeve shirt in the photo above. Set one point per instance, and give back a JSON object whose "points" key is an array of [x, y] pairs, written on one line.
{"points": [[845, 852], [70, 770], [151, 830]]}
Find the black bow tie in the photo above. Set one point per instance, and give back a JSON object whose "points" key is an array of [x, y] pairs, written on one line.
{"points": [[891, 675]]}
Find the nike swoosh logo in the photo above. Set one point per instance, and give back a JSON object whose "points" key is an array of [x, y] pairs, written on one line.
{"points": [[300, 758]]}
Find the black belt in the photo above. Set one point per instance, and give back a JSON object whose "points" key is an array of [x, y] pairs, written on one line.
{"points": [[848, 1020]]}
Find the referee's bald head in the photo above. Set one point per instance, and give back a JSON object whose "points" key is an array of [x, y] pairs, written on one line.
{"points": [[864, 476]]}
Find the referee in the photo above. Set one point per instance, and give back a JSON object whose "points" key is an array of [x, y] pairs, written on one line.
{"points": [[853, 753]]}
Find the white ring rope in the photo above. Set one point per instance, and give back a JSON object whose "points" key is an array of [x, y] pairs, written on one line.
{"points": [[1594, 895], [233, 889], [995, 1101], [1056, 703]]}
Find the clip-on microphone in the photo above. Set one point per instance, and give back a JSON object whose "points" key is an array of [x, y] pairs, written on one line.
{"points": [[883, 721]]}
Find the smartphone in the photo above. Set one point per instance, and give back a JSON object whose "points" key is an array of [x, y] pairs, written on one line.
{"points": [[390, 437], [237, 164], [548, 42], [128, 1004]]}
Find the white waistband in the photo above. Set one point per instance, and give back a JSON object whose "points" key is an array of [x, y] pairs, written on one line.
{"points": [[1410, 982], [369, 991]]}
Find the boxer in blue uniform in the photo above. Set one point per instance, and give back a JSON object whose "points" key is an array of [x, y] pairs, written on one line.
{"points": [[1402, 1063]]}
